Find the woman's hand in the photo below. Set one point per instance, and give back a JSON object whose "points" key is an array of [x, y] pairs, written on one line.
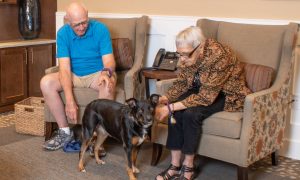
{"points": [[163, 100], [161, 112]]}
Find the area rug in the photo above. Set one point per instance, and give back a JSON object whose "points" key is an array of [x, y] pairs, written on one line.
{"points": [[22, 157], [7, 119], [8, 135], [26, 159]]}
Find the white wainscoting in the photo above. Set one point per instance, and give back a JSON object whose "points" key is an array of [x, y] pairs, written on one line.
{"points": [[163, 30]]}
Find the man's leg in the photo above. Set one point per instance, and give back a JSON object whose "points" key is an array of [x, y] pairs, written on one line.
{"points": [[50, 86]]}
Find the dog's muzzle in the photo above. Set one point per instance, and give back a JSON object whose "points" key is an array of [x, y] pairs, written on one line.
{"points": [[147, 121]]}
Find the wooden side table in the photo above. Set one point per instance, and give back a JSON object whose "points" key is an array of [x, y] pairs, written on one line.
{"points": [[158, 75]]}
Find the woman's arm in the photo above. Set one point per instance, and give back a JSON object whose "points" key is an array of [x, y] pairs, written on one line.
{"points": [[163, 111], [177, 89]]}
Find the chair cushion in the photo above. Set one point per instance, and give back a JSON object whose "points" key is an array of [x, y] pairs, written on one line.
{"points": [[258, 77], [85, 95], [123, 53], [226, 124]]}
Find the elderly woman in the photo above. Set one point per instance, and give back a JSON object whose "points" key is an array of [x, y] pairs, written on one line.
{"points": [[210, 80]]}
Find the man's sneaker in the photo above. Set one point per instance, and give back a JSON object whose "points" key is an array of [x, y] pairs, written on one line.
{"points": [[58, 140]]}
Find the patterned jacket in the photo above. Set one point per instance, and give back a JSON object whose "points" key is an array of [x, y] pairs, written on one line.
{"points": [[219, 71]]}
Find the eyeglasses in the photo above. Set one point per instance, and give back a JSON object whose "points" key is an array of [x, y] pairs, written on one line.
{"points": [[187, 55], [83, 23]]}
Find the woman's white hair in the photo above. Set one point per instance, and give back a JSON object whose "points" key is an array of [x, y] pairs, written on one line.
{"points": [[190, 36]]}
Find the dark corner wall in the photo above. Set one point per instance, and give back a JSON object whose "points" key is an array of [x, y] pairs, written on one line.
{"points": [[9, 20]]}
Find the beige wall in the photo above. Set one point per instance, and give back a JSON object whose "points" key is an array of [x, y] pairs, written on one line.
{"points": [[253, 9]]}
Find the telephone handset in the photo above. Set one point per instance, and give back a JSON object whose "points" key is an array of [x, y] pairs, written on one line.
{"points": [[165, 60]]}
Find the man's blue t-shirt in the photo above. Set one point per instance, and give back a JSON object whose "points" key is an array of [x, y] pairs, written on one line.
{"points": [[85, 52]]}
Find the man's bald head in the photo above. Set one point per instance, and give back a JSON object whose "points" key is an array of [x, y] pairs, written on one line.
{"points": [[77, 16], [76, 11]]}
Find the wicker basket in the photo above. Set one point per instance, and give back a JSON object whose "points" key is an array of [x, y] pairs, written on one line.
{"points": [[30, 116]]}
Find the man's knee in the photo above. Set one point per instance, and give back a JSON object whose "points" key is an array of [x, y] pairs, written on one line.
{"points": [[44, 82], [48, 82]]}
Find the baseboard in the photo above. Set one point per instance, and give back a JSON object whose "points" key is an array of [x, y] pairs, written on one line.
{"points": [[6, 108], [291, 149]]}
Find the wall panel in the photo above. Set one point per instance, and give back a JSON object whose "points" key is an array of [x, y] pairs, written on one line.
{"points": [[265, 9]]}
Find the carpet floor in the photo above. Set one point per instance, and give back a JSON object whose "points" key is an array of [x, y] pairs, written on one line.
{"points": [[22, 157]]}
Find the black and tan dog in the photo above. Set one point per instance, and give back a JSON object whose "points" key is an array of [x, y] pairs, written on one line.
{"points": [[129, 123]]}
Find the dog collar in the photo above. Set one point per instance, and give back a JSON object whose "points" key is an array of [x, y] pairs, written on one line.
{"points": [[171, 118]]}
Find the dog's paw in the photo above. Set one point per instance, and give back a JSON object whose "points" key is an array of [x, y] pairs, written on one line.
{"points": [[101, 162], [133, 178], [135, 169], [81, 167], [82, 170]]}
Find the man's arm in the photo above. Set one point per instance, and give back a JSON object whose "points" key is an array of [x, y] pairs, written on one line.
{"points": [[108, 78], [109, 62], [65, 77]]}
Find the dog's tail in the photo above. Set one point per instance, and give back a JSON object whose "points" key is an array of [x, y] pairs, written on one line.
{"points": [[77, 132], [90, 121]]}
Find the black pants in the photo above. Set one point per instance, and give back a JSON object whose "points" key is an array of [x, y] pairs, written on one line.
{"points": [[186, 133]]}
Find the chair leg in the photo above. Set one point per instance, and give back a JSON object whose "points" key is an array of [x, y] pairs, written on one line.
{"points": [[274, 157], [242, 173], [156, 153], [50, 126]]}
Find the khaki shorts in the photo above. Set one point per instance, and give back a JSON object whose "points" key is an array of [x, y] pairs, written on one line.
{"points": [[85, 81]]}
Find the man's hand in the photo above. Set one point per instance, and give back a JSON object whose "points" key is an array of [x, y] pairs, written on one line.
{"points": [[71, 111], [107, 82]]}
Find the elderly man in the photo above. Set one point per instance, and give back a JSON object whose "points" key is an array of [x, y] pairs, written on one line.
{"points": [[84, 52]]}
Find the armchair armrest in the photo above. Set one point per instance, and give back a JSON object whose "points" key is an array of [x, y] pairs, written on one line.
{"points": [[131, 83], [264, 120], [51, 70]]}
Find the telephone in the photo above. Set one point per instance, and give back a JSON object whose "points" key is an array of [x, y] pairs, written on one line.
{"points": [[165, 60]]}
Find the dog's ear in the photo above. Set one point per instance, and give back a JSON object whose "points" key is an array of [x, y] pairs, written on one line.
{"points": [[132, 103], [154, 99]]}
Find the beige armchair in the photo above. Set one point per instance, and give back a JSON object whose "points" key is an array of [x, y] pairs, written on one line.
{"points": [[242, 138], [135, 29]]}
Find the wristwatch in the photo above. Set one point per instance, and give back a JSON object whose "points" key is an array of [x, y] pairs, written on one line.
{"points": [[110, 73]]}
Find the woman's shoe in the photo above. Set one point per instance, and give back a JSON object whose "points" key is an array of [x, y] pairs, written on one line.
{"points": [[186, 169], [166, 176]]}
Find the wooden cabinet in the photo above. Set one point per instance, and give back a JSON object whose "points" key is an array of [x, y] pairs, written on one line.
{"points": [[21, 69], [13, 75], [39, 59], [8, 1]]}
